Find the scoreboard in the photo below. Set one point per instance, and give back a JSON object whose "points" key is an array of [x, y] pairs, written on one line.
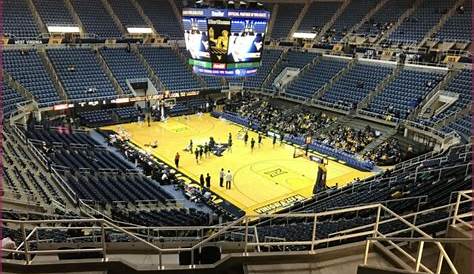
{"points": [[225, 42]]}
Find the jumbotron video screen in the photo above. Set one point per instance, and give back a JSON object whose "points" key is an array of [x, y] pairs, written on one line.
{"points": [[225, 42]]}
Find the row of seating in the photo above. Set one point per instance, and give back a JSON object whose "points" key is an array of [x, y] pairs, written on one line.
{"points": [[356, 84], [54, 13], [171, 70], [352, 14], [109, 116], [318, 15], [293, 59], [27, 68], [403, 94], [81, 74], [163, 217], [124, 65], [315, 77], [95, 18], [461, 85], [416, 26], [384, 19]]}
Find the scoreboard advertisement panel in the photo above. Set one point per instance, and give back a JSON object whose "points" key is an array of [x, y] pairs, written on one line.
{"points": [[223, 42]]}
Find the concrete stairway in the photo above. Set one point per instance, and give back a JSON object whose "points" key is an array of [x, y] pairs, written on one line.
{"points": [[178, 14], [52, 73], [143, 15], [273, 71], [297, 23], [276, 7], [332, 20], [151, 73], [441, 22], [377, 142], [108, 72], [75, 17], [320, 93], [8, 79], [366, 18], [112, 14], [39, 22], [367, 100], [402, 18], [184, 60]]}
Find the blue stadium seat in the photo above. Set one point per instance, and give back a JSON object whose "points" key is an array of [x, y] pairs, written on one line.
{"points": [[173, 73], [405, 92], [163, 18], [81, 74], [54, 13], [124, 65], [319, 74], [356, 84], [28, 69], [318, 14], [18, 21], [96, 19]]}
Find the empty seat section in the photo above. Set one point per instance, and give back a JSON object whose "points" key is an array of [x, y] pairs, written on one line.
{"points": [[81, 74], [286, 16], [385, 17], [10, 100], [458, 27], [18, 21], [163, 18], [54, 12], [405, 92], [124, 65], [356, 84], [269, 58], [315, 77], [27, 68], [416, 26], [127, 13], [352, 14], [318, 14], [293, 59], [96, 19], [171, 70]]}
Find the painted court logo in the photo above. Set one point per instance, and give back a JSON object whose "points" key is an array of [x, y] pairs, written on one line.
{"points": [[279, 204], [275, 172]]}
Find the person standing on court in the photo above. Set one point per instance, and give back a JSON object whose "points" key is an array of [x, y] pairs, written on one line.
{"points": [[201, 180], [201, 152], [191, 146], [246, 138], [229, 142], [196, 153], [208, 181], [259, 140], [252, 144], [274, 140], [228, 180], [221, 178], [176, 160]]}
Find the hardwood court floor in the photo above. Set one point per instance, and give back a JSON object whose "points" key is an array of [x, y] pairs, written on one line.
{"points": [[265, 179]]}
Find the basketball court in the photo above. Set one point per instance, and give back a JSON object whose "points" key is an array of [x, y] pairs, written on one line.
{"points": [[265, 180]]}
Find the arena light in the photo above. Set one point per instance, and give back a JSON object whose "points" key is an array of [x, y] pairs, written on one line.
{"points": [[304, 35], [139, 30], [63, 29]]}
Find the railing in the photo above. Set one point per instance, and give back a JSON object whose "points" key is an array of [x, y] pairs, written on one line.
{"points": [[425, 238], [250, 236]]}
